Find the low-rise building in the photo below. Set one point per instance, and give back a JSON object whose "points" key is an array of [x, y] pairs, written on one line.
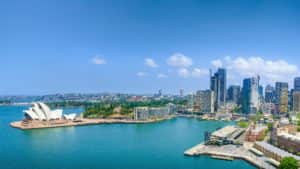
{"points": [[284, 121], [223, 116], [288, 138], [145, 113], [273, 152], [255, 133], [141, 113], [225, 135], [268, 108], [289, 142]]}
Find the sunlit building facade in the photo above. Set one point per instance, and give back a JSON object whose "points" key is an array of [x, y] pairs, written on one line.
{"points": [[282, 92]]}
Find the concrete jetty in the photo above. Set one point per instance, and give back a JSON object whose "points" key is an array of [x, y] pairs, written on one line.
{"points": [[230, 152], [194, 150]]}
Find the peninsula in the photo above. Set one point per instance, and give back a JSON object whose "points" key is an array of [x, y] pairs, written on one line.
{"points": [[40, 116]]}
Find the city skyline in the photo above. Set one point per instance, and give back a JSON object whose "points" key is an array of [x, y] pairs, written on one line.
{"points": [[134, 47], [169, 83]]}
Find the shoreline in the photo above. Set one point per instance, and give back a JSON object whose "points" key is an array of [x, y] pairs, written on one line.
{"points": [[81, 122], [96, 121]]}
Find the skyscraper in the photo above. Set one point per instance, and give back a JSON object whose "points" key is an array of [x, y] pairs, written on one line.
{"points": [[250, 95], [269, 94], [296, 101], [181, 92], [223, 85], [281, 92], [205, 100], [261, 91], [291, 94], [233, 93], [291, 99], [160, 92], [297, 84], [218, 86]]}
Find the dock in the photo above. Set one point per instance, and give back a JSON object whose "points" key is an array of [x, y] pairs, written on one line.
{"points": [[229, 152]]}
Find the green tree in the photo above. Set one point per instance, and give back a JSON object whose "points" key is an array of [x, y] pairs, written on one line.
{"points": [[270, 126], [288, 163], [243, 124]]}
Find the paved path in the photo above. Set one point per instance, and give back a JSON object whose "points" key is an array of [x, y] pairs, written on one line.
{"points": [[238, 152]]}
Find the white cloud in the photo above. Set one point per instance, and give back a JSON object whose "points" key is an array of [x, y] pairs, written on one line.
{"points": [[194, 73], [217, 63], [269, 70], [183, 72], [98, 61], [150, 62], [179, 60], [161, 75], [141, 74], [198, 72]]}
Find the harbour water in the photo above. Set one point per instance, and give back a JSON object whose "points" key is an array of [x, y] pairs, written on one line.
{"points": [[115, 146]]}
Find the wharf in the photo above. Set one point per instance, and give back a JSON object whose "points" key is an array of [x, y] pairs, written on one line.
{"points": [[229, 152]]}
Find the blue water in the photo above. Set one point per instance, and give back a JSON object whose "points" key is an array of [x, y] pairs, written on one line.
{"points": [[135, 146]]}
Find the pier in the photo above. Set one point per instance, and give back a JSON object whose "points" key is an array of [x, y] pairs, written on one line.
{"points": [[230, 152]]}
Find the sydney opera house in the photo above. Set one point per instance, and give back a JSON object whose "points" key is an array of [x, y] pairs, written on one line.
{"points": [[40, 111]]}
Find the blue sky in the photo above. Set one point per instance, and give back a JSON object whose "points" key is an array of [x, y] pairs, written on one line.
{"points": [[139, 46]]}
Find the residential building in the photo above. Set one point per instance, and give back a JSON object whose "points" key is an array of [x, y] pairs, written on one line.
{"points": [[205, 101], [141, 113], [145, 113], [191, 102]]}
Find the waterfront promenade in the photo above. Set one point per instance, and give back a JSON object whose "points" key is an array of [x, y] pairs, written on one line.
{"points": [[90, 121], [81, 122], [229, 151]]}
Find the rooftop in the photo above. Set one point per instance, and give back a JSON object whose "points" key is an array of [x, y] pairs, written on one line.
{"points": [[224, 132], [290, 136], [276, 150], [259, 128]]}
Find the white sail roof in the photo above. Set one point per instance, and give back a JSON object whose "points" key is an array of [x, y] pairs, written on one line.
{"points": [[40, 111], [31, 114], [70, 116]]}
